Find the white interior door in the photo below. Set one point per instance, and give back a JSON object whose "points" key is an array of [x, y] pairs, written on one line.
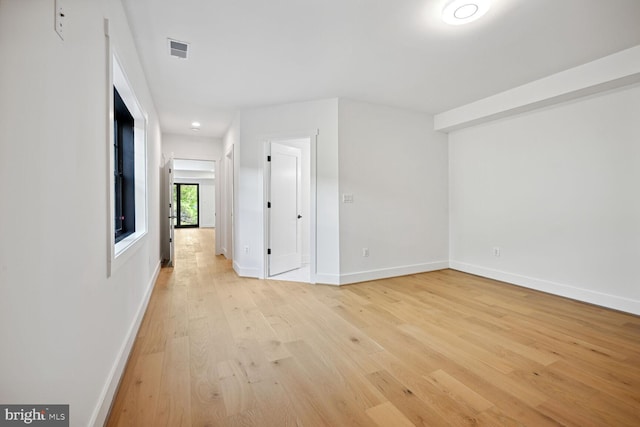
{"points": [[171, 213], [285, 237]]}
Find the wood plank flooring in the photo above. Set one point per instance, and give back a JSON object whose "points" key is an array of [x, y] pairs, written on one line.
{"points": [[434, 349]]}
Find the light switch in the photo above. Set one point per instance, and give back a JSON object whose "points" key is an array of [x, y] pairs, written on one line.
{"points": [[59, 18], [347, 198]]}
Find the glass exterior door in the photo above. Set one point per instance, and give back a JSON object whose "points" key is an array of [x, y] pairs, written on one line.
{"points": [[185, 199]]}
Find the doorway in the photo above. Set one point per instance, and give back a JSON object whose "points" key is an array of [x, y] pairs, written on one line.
{"points": [[285, 209], [186, 199], [289, 215], [202, 175]]}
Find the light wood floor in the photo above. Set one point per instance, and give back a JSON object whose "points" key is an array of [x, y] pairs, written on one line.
{"points": [[434, 349]]}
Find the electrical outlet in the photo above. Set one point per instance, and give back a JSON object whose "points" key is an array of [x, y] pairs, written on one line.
{"points": [[365, 252], [496, 251], [246, 249], [347, 198]]}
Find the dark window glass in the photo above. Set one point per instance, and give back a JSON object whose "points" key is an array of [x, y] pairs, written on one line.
{"points": [[123, 169]]}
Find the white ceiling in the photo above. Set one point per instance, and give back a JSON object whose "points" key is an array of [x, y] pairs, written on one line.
{"points": [[247, 53]]}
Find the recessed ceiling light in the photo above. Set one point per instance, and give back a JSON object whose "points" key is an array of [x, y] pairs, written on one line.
{"points": [[458, 12]]}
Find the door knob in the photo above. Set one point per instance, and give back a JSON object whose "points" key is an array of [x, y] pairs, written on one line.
{"points": [[299, 216]]}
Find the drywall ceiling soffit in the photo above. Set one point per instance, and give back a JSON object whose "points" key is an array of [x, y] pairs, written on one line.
{"points": [[611, 72], [251, 53], [194, 165]]}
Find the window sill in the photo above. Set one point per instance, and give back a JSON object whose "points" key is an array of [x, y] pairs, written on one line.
{"points": [[128, 242], [125, 249]]}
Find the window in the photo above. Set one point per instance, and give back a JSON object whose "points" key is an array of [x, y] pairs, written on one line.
{"points": [[123, 169], [127, 171]]}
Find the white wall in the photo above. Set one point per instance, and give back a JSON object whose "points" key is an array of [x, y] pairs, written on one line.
{"points": [[286, 120], [207, 203], [395, 166], [556, 190], [227, 197], [191, 147], [64, 326], [391, 160]]}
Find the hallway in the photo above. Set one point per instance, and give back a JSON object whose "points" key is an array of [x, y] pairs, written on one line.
{"points": [[441, 348]]}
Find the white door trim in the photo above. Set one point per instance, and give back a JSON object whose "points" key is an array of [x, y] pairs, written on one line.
{"points": [[218, 185], [171, 212], [229, 203]]}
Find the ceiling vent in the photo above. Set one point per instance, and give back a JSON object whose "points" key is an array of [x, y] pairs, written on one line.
{"points": [[178, 49]]}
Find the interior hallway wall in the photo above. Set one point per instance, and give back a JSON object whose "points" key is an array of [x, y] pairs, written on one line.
{"points": [[65, 327]]}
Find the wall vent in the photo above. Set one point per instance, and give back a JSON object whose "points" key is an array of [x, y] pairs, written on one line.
{"points": [[178, 49]]}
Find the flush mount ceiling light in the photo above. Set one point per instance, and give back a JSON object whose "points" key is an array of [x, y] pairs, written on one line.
{"points": [[458, 12], [195, 126]]}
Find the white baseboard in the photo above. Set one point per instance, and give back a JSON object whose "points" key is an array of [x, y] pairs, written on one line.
{"points": [[100, 413], [593, 297], [326, 279], [246, 272], [384, 273]]}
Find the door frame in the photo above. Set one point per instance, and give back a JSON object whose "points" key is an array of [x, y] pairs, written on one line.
{"points": [[310, 137], [225, 233], [218, 185], [171, 213]]}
